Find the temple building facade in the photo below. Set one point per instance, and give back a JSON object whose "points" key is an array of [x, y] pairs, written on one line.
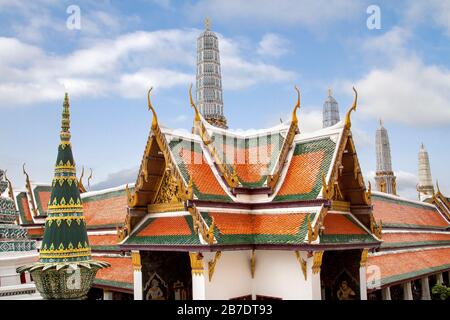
{"points": [[270, 214]]}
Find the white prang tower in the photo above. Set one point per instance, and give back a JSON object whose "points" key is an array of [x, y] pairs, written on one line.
{"points": [[209, 79], [425, 186], [330, 114], [384, 177]]}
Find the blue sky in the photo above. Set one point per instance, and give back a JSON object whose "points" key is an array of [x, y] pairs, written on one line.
{"points": [[401, 71]]}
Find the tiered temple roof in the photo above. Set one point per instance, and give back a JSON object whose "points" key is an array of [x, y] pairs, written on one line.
{"points": [[416, 239]]}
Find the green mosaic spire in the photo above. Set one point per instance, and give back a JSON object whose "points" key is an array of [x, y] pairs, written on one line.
{"points": [[65, 237], [65, 269]]}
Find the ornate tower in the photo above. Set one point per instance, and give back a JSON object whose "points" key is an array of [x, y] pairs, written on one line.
{"points": [[209, 79], [385, 178], [330, 111], [65, 269], [425, 187]]}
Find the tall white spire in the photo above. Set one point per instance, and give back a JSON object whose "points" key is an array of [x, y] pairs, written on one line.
{"points": [[425, 187], [209, 79], [330, 111], [385, 178]]}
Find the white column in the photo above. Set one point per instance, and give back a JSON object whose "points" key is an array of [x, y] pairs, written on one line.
{"points": [[440, 278], [198, 276], [407, 291], [386, 293], [425, 289], [314, 274], [107, 295], [137, 274], [362, 283]]}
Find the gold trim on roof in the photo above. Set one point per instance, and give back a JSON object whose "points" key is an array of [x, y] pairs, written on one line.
{"points": [[348, 122], [212, 264], [292, 131], [227, 172]]}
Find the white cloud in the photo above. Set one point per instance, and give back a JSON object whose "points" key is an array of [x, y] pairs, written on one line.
{"points": [[434, 11], [310, 13], [126, 65], [405, 89], [273, 45], [409, 92]]}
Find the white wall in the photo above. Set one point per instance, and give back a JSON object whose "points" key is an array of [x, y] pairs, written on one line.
{"points": [[279, 274], [232, 276]]}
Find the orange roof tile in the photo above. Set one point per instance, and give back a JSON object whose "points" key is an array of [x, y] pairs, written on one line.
{"points": [[201, 173], [121, 270], [105, 211], [303, 168], [26, 208], [398, 266], [103, 239], [44, 198], [402, 212], [229, 223], [166, 226], [340, 224], [414, 237], [35, 231]]}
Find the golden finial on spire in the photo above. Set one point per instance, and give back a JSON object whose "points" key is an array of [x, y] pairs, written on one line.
{"points": [[348, 123], [297, 105], [330, 92], [150, 107], [191, 100], [65, 120], [207, 23]]}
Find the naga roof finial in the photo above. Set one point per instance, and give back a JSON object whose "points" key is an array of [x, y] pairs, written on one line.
{"points": [[150, 107], [297, 106], [348, 123], [191, 100], [89, 179]]}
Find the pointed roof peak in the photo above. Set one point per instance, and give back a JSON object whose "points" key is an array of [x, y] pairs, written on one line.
{"points": [[330, 92], [207, 24]]}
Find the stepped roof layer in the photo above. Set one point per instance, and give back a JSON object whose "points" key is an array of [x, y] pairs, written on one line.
{"points": [[218, 187]]}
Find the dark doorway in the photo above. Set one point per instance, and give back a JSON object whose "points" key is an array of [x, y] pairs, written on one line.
{"points": [[340, 275], [166, 275]]}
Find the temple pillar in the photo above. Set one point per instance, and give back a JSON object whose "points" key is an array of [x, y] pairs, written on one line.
{"points": [[386, 293], [198, 276], [137, 274], [440, 278], [107, 295], [363, 275], [28, 277], [407, 291], [425, 289]]}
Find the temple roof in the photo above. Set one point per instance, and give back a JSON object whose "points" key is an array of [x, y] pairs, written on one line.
{"points": [[399, 266]]}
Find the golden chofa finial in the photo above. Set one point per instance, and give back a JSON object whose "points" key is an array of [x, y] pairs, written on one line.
{"points": [[297, 105], [150, 107], [191, 100], [89, 180], [207, 24], [80, 181], [348, 123], [65, 121]]}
